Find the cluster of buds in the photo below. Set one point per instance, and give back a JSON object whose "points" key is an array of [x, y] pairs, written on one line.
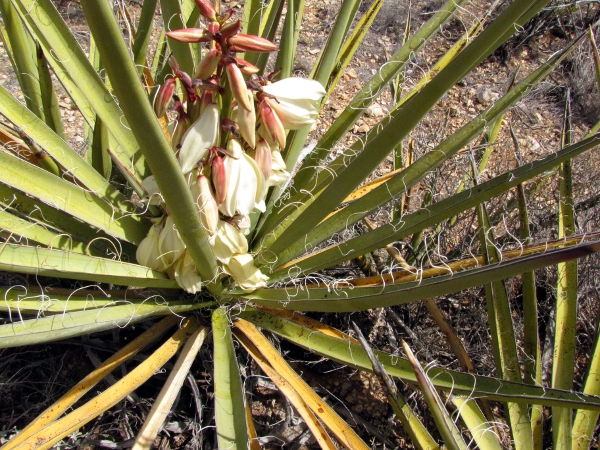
{"points": [[229, 153]]}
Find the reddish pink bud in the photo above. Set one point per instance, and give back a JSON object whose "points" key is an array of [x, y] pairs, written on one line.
{"points": [[214, 28], [230, 29], [164, 97], [237, 84], [246, 67], [219, 179], [190, 35], [249, 42], [262, 156], [208, 64], [272, 123], [206, 9]]}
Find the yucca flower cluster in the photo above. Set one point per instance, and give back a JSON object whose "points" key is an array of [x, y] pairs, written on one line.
{"points": [[228, 151]]}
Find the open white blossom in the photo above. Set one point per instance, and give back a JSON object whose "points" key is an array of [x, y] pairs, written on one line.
{"points": [[202, 135], [296, 101]]}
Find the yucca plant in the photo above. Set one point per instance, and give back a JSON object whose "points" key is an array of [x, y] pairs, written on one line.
{"points": [[189, 202]]}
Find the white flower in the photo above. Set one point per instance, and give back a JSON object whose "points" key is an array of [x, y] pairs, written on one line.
{"points": [[279, 174], [246, 186], [228, 241], [296, 101], [170, 244], [186, 275], [207, 205], [148, 253], [245, 273], [202, 135]]}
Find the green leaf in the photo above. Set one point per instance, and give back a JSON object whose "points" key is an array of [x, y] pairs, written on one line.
{"points": [[353, 355], [502, 332], [67, 264], [363, 298], [52, 143], [445, 425], [22, 50], [419, 220], [70, 324], [481, 430], [74, 200], [17, 300], [415, 429], [79, 77], [230, 414], [380, 143], [566, 301]]}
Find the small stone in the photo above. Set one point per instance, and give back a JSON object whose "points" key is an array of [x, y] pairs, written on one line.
{"points": [[351, 73], [364, 128], [375, 111]]}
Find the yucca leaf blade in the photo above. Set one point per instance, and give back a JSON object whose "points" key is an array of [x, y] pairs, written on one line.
{"points": [[54, 432], [230, 415], [419, 220], [67, 400], [69, 324], [66, 264], [56, 39], [353, 355], [76, 201], [360, 299]]}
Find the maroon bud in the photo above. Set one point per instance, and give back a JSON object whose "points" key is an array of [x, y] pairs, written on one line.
{"points": [[230, 29], [249, 42], [164, 97], [214, 28], [219, 179], [246, 67], [207, 10], [190, 35]]}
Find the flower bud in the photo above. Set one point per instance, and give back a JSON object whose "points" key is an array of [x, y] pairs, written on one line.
{"points": [[190, 35], [219, 179], [208, 64], [213, 28], [230, 29], [262, 156], [237, 84], [164, 96], [209, 210], [248, 42], [202, 135], [246, 67], [246, 120], [272, 123], [296, 101], [207, 10]]}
